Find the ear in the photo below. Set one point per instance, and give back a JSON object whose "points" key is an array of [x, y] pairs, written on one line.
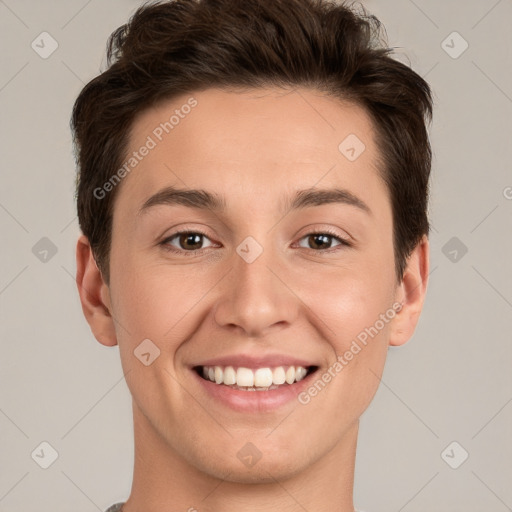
{"points": [[411, 294], [94, 294]]}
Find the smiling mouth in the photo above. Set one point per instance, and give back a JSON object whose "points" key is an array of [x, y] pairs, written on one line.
{"points": [[259, 379]]}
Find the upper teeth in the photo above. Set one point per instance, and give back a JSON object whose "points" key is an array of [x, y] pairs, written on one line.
{"points": [[261, 377]]}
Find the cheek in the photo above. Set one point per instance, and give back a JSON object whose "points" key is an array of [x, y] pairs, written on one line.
{"points": [[158, 301], [356, 313], [151, 314], [350, 300]]}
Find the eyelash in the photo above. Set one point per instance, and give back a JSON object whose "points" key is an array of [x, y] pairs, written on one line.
{"points": [[328, 232]]}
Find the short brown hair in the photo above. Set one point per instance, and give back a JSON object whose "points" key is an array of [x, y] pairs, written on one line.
{"points": [[173, 47]]}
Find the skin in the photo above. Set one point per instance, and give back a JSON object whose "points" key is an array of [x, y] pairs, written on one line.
{"points": [[254, 147]]}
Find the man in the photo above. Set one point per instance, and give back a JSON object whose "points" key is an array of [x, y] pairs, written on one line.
{"points": [[253, 188]]}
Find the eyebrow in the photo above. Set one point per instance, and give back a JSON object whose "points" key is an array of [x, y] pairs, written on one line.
{"points": [[193, 198], [319, 197], [202, 199]]}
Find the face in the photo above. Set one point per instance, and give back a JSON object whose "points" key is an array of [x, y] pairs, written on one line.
{"points": [[284, 259]]}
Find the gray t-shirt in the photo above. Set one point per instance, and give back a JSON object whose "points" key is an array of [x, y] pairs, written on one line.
{"points": [[117, 508]]}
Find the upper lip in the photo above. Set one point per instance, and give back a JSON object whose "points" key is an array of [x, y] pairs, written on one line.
{"points": [[255, 361]]}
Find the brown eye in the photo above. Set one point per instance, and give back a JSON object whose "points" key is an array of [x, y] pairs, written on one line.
{"points": [[187, 241], [190, 241], [318, 241], [322, 241]]}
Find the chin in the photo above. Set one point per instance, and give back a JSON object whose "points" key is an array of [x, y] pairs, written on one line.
{"points": [[262, 472]]}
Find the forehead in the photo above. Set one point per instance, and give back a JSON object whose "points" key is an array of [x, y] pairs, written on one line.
{"points": [[253, 143]]}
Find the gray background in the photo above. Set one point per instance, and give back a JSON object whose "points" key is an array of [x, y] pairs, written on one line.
{"points": [[451, 382]]}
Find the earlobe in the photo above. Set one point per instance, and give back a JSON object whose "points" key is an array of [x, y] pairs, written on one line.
{"points": [[411, 294], [94, 294]]}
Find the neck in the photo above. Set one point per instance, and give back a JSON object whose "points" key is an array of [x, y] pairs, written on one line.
{"points": [[164, 480]]}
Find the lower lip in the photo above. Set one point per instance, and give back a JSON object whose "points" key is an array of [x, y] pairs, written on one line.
{"points": [[254, 401]]}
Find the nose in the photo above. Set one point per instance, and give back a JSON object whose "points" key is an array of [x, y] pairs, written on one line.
{"points": [[256, 297]]}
